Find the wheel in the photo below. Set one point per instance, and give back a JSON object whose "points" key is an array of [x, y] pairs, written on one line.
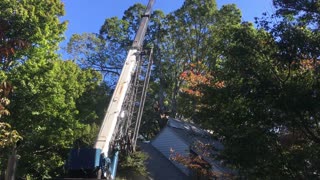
{"points": [[99, 174]]}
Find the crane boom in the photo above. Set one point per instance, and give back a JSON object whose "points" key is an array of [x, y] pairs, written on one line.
{"points": [[116, 102], [138, 40], [101, 160], [115, 105]]}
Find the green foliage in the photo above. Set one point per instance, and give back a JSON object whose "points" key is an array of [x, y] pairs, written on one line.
{"points": [[91, 51], [87, 137], [8, 137], [92, 103], [200, 24], [49, 93], [133, 164], [44, 111], [267, 111], [29, 27], [303, 11]]}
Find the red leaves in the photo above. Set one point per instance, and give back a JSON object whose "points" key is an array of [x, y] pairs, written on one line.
{"points": [[194, 162], [196, 77], [6, 51], [5, 89], [9, 45]]}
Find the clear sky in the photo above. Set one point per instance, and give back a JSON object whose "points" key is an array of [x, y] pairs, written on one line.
{"points": [[89, 15]]}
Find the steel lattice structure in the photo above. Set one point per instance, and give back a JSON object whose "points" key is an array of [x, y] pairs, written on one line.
{"points": [[120, 127]]}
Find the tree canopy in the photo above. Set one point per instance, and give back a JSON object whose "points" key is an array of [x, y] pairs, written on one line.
{"points": [[255, 86], [45, 100]]}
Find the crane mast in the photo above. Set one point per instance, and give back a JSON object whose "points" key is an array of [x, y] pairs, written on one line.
{"points": [[120, 127]]}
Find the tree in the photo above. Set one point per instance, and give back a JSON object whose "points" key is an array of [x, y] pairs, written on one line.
{"points": [[8, 136], [174, 51], [28, 28], [267, 110], [91, 51], [46, 100], [24, 30], [255, 88], [107, 51], [45, 113], [199, 24]]}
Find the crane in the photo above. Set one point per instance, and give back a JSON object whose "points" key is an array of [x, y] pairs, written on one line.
{"points": [[120, 127]]}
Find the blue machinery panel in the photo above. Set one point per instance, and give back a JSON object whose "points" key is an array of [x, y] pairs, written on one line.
{"points": [[87, 158]]}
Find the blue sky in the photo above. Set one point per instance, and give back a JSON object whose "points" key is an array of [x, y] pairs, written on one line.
{"points": [[89, 15]]}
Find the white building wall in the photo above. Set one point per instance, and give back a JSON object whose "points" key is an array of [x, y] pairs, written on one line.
{"points": [[168, 140]]}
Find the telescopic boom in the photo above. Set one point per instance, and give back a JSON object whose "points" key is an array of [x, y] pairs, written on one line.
{"points": [[101, 161]]}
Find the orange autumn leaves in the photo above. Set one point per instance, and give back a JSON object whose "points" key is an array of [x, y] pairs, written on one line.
{"points": [[309, 65], [195, 77]]}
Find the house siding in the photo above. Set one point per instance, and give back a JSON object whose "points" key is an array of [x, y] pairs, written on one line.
{"points": [[167, 140]]}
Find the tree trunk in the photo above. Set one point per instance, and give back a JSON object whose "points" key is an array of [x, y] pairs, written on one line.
{"points": [[12, 163]]}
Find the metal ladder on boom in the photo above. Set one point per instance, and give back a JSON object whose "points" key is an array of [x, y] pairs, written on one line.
{"points": [[120, 127]]}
